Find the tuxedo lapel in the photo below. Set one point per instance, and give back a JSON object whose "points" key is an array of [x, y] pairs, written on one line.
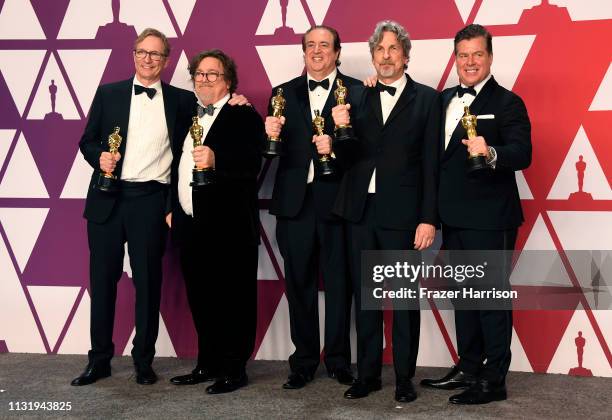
{"points": [[212, 137], [483, 96], [447, 96], [301, 93], [375, 107], [122, 112], [331, 98], [170, 109], [405, 98]]}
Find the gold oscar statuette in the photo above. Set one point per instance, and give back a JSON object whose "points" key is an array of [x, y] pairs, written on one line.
{"points": [[342, 132], [273, 145], [325, 163], [107, 182], [477, 161], [201, 176]]}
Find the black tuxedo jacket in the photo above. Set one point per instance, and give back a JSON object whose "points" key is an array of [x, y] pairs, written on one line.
{"points": [[110, 109], [230, 206], [404, 152], [488, 201], [298, 150]]}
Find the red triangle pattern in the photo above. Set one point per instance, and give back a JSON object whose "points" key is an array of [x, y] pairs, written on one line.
{"points": [[556, 115]]}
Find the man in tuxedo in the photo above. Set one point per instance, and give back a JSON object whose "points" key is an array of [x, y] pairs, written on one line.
{"points": [[482, 210], [388, 196], [309, 236], [147, 111], [217, 225]]}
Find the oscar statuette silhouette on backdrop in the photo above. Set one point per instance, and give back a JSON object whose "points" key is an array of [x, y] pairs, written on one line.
{"points": [[580, 195], [580, 371], [53, 115], [116, 28]]}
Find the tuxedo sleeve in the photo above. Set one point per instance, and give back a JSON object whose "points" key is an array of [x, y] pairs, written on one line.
{"points": [[187, 108], [264, 136], [514, 152], [91, 142], [430, 165]]}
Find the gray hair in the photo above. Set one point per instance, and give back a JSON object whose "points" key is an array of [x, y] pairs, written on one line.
{"points": [[390, 26]]}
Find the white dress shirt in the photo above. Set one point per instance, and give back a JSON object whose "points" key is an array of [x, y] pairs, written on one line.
{"points": [[455, 110], [387, 103], [186, 163], [147, 155], [317, 99]]}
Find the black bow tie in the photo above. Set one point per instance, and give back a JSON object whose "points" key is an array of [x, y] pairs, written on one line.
{"points": [[462, 91], [208, 109], [138, 89], [381, 88], [312, 84]]}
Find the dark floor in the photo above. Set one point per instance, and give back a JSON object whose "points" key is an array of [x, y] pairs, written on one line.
{"points": [[43, 378]]}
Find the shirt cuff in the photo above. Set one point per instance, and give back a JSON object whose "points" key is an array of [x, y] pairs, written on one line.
{"points": [[492, 157]]}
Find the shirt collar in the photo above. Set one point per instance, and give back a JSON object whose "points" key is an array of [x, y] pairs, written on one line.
{"points": [[478, 87], [331, 76], [399, 84]]}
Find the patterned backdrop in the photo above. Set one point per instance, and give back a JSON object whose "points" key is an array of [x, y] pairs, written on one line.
{"points": [[555, 54]]}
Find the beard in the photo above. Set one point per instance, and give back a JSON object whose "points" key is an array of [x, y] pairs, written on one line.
{"points": [[386, 72]]}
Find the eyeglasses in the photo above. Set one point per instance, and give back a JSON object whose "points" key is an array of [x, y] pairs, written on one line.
{"points": [[155, 56], [211, 76]]}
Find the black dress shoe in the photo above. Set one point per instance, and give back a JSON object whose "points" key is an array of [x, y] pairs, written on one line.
{"points": [[342, 375], [482, 392], [227, 384], [91, 374], [404, 391], [146, 376], [455, 379], [195, 377], [297, 380], [361, 389]]}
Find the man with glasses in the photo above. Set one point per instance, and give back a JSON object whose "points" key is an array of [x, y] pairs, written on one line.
{"points": [[217, 225], [147, 112]]}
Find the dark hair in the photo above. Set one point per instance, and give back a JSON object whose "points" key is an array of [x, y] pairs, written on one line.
{"points": [[474, 31], [154, 32], [229, 66], [335, 35]]}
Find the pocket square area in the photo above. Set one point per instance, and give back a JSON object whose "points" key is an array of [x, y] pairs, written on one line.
{"points": [[485, 117]]}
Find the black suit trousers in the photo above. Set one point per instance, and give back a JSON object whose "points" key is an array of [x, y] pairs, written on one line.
{"points": [[220, 271], [482, 334], [304, 240], [366, 235], [138, 217]]}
